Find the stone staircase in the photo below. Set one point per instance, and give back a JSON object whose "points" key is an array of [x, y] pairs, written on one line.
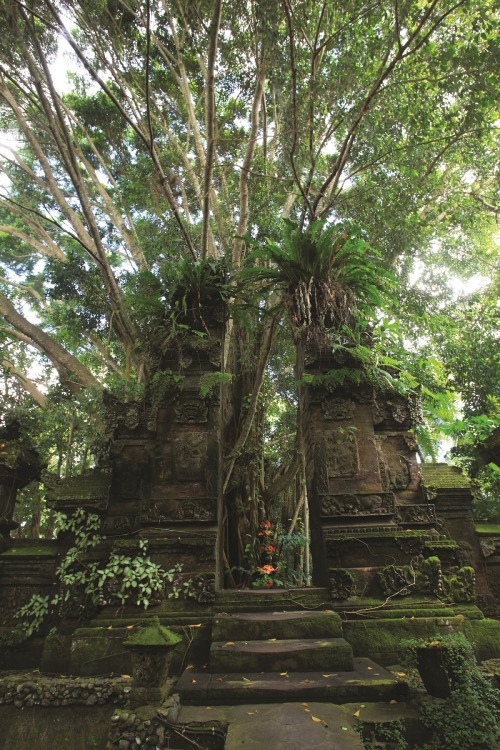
{"points": [[261, 657]]}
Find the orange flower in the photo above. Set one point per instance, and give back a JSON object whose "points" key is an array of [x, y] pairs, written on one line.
{"points": [[267, 569]]}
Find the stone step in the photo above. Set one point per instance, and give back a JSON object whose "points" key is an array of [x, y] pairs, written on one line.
{"points": [[277, 726], [274, 600], [295, 655], [254, 626], [367, 681]]}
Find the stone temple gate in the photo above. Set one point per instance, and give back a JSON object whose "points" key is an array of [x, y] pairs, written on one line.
{"points": [[388, 533]]}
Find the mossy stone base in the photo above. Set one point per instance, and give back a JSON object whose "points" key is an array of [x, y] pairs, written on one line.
{"points": [[254, 626], [380, 639], [330, 654], [94, 652], [56, 654]]}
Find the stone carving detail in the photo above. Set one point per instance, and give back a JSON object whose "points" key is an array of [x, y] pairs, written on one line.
{"points": [[321, 468], [425, 576], [397, 579], [194, 510], [364, 394], [188, 510], [416, 514], [394, 408], [409, 546], [341, 583], [119, 524], [398, 472], [148, 668], [354, 505], [191, 411], [337, 408], [489, 545], [342, 454], [190, 454]]}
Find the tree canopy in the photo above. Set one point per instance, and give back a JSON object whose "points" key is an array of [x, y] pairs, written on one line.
{"points": [[189, 132]]}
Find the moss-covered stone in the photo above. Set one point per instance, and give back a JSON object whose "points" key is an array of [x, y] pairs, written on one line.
{"points": [[485, 636], [56, 654], [264, 625], [488, 529], [38, 549], [154, 635], [380, 640]]}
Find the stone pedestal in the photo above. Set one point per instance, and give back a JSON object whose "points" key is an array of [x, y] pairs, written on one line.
{"points": [[151, 650]]}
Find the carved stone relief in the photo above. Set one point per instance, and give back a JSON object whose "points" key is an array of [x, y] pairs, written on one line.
{"points": [[190, 456], [398, 471], [193, 510], [354, 505], [416, 514], [342, 454], [489, 545], [393, 408], [321, 468], [186, 510], [337, 408], [341, 583], [191, 411], [119, 524]]}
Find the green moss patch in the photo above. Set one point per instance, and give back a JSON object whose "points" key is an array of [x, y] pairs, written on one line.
{"points": [[153, 635], [380, 639], [485, 635], [37, 550], [488, 529]]}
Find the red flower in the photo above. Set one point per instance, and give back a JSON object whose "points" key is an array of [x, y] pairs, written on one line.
{"points": [[270, 548], [269, 585]]}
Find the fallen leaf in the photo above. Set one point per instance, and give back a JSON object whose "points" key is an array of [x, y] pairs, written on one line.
{"points": [[401, 674], [307, 710], [196, 625], [283, 674], [345, 729], [126, 677], [193, 682], [327, 675], [208, 708], [230, 643], [251, 713], [272, 639], [305, 705], [412, 617], [110, 627], [356, 713], [315, 718], [130, 627], [306, 680], [393, 701], [369, 667], [245, 679]]}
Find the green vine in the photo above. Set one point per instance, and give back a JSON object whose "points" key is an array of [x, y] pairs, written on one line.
{"points": [[470, 718], [83, 585]]}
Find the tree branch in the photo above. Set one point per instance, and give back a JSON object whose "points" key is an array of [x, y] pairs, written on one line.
{"points": [[210, 123]]}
